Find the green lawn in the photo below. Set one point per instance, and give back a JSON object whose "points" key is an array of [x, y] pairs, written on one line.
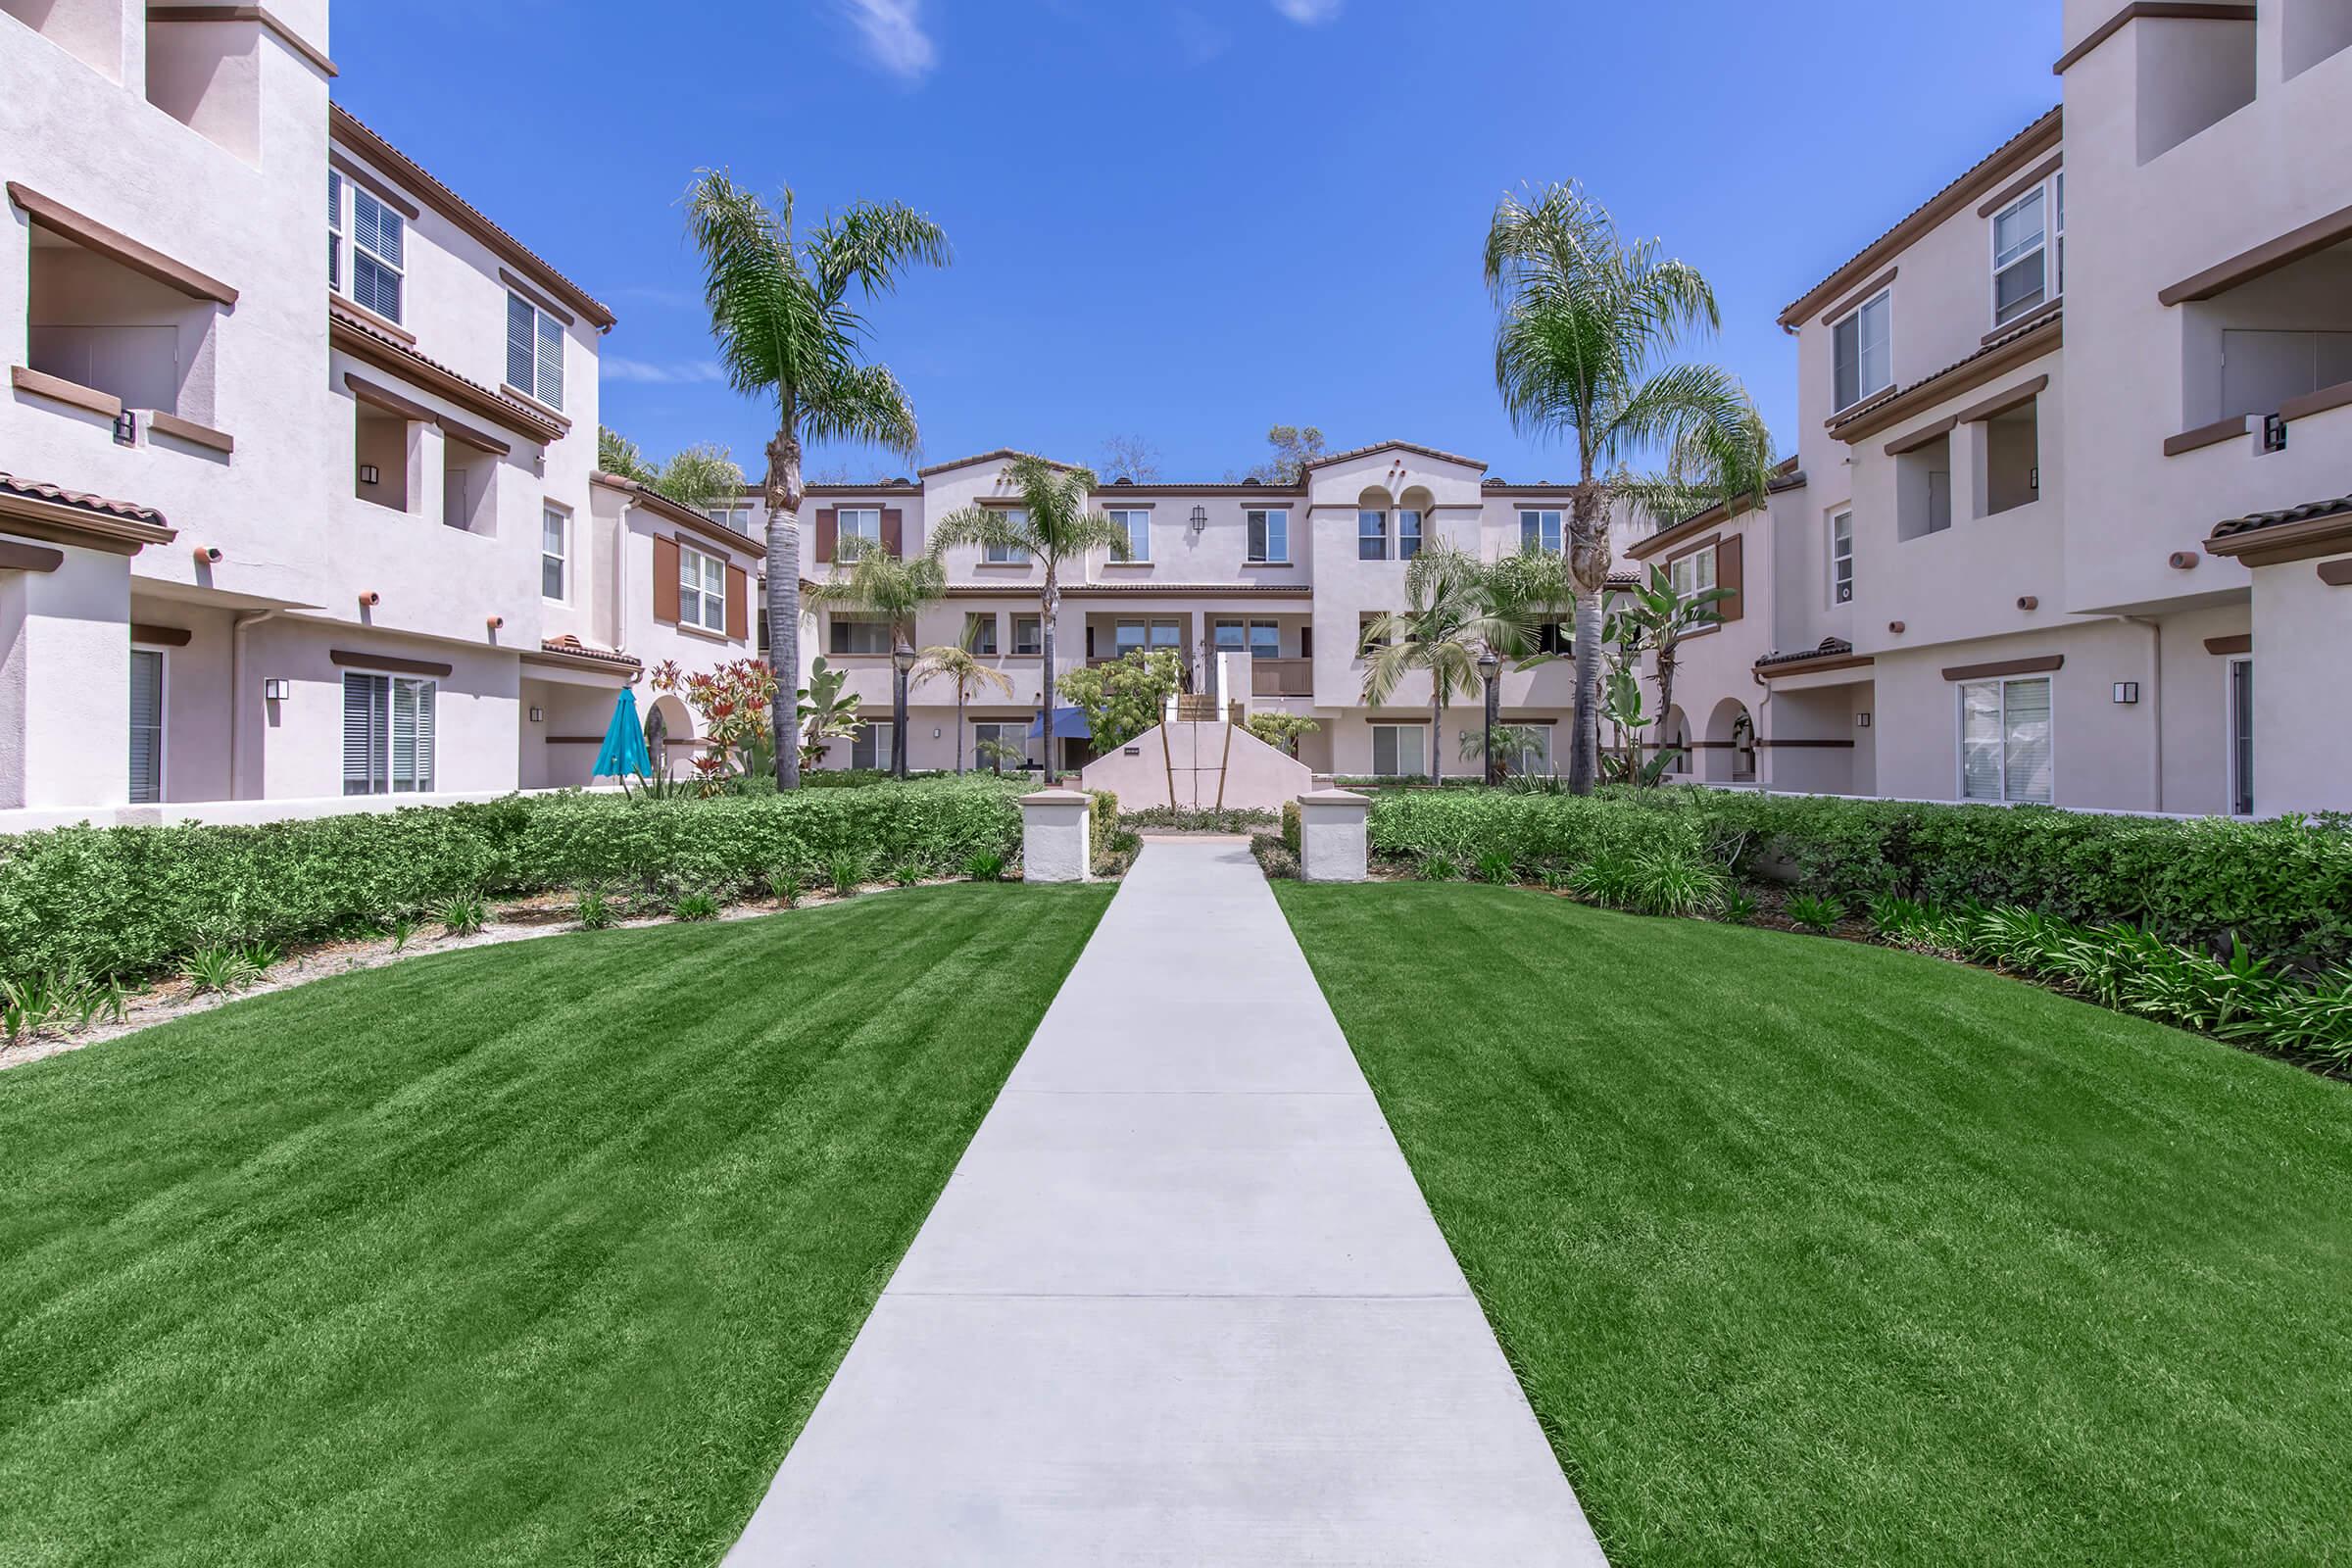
{"points": [[533, 1254], [1812, 1253]]}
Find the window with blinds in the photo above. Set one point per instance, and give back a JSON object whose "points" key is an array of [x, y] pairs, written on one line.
{"points": [[334, 230], [1861, 349], [2006, 740], [554, 536], [146, 726], [703, 590], [379, 254], [534, 352], [387, 735]]}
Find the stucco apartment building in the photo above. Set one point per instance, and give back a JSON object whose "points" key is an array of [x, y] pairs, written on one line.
{"points": [[297, 489], [2066, 517], [1288, 575]]}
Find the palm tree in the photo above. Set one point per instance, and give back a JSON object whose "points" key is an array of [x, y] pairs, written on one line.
{"points": [[1452, 615], [958, 663], [780, 311], [867, 577], [1585, 326], [1053, 524]]}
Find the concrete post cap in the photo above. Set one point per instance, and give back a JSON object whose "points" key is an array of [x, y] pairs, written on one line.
{"points": [[1335, 797], [1057, 797]]}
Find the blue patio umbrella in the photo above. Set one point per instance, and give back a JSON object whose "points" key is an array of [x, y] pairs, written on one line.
{"points": [[1069, 724], [622, 755]]}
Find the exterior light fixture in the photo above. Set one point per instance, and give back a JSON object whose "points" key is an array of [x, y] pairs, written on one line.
{"points": [[538, 716], [2127, 691], [1199, 519], [903, 657], [276, 690], [2274, 433], [1861, 721], [368, 473], [127, 428]]}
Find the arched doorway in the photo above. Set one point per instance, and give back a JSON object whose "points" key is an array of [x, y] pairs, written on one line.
{"points": [[669, 735], [1731, 749], [1678, 735]]}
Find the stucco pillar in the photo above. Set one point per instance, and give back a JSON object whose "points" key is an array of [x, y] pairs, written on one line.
{"points": [[65, 682], [1334, 836], [1054, 827]]}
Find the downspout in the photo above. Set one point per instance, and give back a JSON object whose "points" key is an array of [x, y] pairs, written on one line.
{"points": [[2156, 704], [236, 687]]}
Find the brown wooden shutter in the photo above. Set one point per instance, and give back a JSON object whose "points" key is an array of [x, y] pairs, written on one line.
{"points": [[1728, 577], [892, 542], [739, 600], [666, 579], [828, 530]]}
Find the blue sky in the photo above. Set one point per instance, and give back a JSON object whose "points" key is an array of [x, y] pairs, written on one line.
{"points": [[1186, 219]]}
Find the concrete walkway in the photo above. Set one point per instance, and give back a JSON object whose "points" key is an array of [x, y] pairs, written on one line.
{"points": [[1181, 1301]]}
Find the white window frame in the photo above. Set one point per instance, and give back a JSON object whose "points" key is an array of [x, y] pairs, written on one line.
{"points": [[1842, 587], [1420, 522], [1549, 525], [423, 690], [396, 265], [997, 555], [2001, 771], [1865, 391], [1013, 732], [556, 518], [857, 522], [545, 349], [1551, 734], [334, 230], [1037, 649], [1363, 516], [700, 604], [1267, 540], [1675, 572], [162, 726], [738, 518], [974, 621], [881, 739], [1399, 771], [1137, 521], [2049, 250]]}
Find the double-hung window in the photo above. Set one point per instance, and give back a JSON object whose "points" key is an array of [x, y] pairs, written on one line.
{"points": [[702, 590], [1229, 637], [1265, 639], [555, 552], [1693, 573], [1399, 750], [2022, 255], [1371, 535], [980, 634], [850, 633], [1863, 349], [1004, 555], [534, 352], [1137, 524], [379, 254], [862, 525], [1842, 557], [2006, 740], [334, 232], [1270, 535], [1539, 530], [146, 725], [1028, 634], [387, 735], [1408, 533]]}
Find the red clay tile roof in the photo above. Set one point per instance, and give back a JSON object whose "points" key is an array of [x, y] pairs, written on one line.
{"points": [[38, 490], [2308, 512], [521, 415], [1439, 453], [571, 647]]}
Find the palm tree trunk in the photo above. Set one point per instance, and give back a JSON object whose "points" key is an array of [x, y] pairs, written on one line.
{"points": [[1048, 602], [1666, 662], [898, 719], [784, 497], [1493, 717], [1436, 725], [1587, 539], [960, 727]]}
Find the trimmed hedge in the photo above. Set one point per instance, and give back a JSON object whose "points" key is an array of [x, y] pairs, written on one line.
{"points": [[2284, 887], [130, 900]]}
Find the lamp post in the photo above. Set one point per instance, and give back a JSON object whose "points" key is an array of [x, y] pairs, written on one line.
{"points": [[901, 660], [1488, 666]]}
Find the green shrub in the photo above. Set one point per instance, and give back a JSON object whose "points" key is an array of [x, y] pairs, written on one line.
{"points": [[1276, 858], [1670, 881], [696, 907], [785, 882], [1607, 879], [1813, 911], [1203, 819], [218, 968], [592, 908], [1101, 824], [1736, 907], [846, 868], [985, 867], [1495, 865], [1467, 824], [462, 914], [1291, 829]]}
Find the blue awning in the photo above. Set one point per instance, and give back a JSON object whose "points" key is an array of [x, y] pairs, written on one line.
{"points": [[1069, 724]]}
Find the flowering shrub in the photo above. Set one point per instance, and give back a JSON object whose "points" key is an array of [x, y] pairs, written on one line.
{"points": [[733, 702]]}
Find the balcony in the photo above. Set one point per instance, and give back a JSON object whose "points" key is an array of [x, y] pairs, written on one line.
{"points": [[1281, 677]]}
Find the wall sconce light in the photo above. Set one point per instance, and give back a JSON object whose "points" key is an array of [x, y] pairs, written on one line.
{"points": [[2127, 691], [1861, 721], [496, 622], [2274, 433], [276, 690], [127, 428], [207, 555], [368, 474], [934, 732], [370, 599], [537, 716], [1199, 519]]}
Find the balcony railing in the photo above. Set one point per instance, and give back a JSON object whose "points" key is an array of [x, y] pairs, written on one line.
{"points": [[1281, 677]]}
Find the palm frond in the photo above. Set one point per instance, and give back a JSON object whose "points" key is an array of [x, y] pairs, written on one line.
{"points": [[765, 318], [869, 244], [861, 403]]}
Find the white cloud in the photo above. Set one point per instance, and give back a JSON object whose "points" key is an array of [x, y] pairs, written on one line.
{"points": [[894, 35], [1310, 12], [617, 368]]}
